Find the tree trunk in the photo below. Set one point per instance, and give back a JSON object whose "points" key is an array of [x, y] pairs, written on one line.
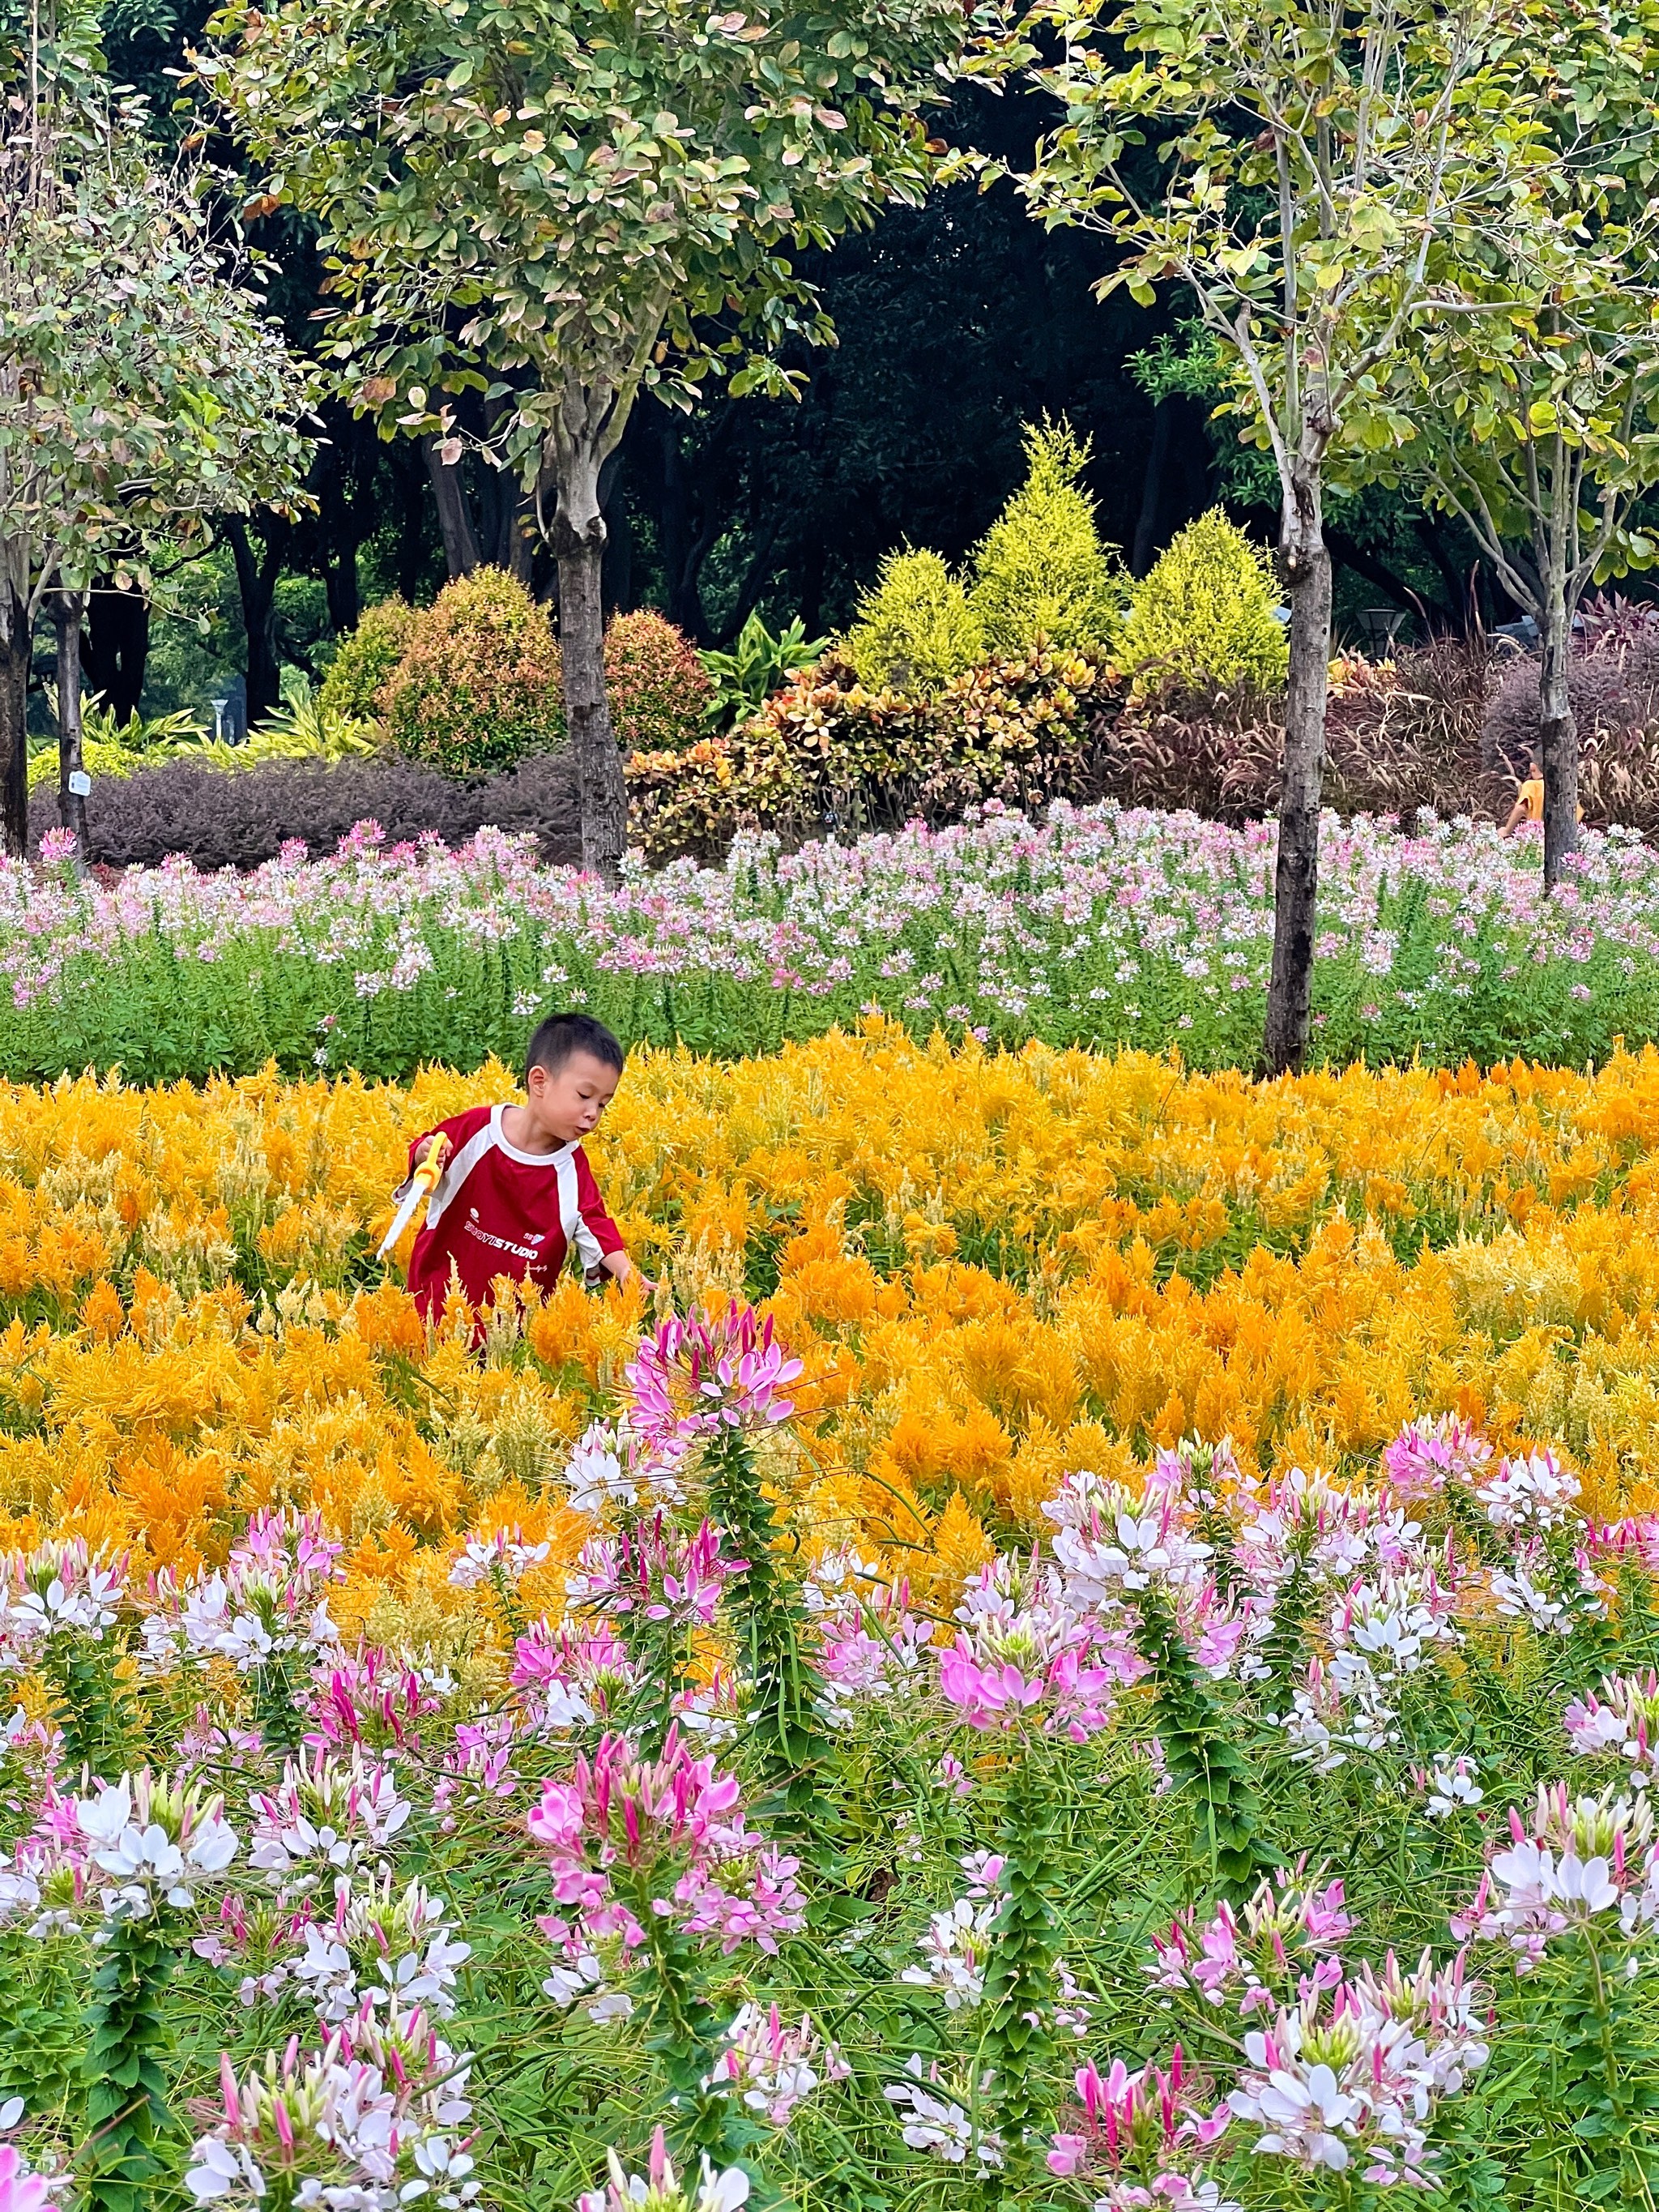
{"points": [[1558, 727], [578, 543], [682, 546], [1152, 492], [15, 636], [410, 478], [115, 646], [256, 581], [341, 533], [619, 577], [66, 612], [461, 553], [1305, 570]]}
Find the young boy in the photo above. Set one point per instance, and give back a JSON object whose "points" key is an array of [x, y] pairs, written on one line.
{"points": [[517, 1194]]}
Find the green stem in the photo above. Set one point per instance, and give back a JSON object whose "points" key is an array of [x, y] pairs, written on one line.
{"points": [[1017, 2043], [127, 2116], [274, 1708], [1204, 1764], [85, 1703], [681, 2029], [1602, 2013], [785, 1688]]}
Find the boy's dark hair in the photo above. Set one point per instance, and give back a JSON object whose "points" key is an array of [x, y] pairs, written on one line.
{"points": [[561, 1035]]}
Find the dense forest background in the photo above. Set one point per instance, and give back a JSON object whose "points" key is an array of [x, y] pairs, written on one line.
{"points": [[959, 323]]}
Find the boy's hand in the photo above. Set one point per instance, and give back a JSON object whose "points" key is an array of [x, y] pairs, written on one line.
{"points": [[621, 1269]]}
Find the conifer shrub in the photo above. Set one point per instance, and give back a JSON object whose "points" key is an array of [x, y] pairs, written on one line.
{"points": [[365, 658], [1203, 616], [915, 631], [1043, 574], [476, 688]]}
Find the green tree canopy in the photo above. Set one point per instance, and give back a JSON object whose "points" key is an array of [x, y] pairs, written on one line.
{"points": [[1318, 180], [566, 201], [142, 387]]}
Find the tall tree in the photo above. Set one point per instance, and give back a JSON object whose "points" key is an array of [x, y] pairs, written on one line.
{"points": [[1318, 186], [141, 387], [563, 203], [1535, 421]]}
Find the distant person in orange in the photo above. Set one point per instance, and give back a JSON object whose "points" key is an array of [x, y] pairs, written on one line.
{"points": [[1529, 798]]}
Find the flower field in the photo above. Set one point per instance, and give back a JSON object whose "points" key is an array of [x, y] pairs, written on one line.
{"points": [[1099, 926], [1106, 1663]]}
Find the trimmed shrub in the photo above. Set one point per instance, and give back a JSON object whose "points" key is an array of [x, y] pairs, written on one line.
{"points": [[915, 631], [219, 821], [1043, 574], [478, 686], [365, 659], [659, 688], [826, 752], [1204, 615]]}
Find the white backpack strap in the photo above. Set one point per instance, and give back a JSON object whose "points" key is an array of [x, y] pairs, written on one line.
{"points": [[460, 1167], [578, 1236]]}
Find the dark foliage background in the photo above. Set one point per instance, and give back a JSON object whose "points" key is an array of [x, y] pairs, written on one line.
{"points": [[959, 322]]}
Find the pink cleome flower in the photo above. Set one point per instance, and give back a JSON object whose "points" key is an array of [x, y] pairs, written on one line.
{"points": [[696, 1377]]}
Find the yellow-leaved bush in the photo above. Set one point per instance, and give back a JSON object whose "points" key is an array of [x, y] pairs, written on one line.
{"points": [[1204, 615], [1042, 575], [914, 629], [995, 1269]]}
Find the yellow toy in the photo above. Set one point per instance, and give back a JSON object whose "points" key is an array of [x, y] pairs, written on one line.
{"points": [[422, 1184]]}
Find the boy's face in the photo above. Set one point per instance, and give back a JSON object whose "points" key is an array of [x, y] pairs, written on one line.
{"points": [[565, 1104]]}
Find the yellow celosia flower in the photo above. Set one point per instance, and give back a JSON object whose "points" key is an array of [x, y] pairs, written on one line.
{"points": [[993, 1268]]}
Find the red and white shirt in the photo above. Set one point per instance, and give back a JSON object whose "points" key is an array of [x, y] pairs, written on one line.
{"points": [[501, 1212]]}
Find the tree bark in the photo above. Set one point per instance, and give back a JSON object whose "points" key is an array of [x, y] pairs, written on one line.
{"points": [[341, 532], [66, 612], [1557, 727], [578, 543], [461, 553], [1305, 566], [14, 639], [115, 646], [618, 576], [256, 581], [1152, 491]]}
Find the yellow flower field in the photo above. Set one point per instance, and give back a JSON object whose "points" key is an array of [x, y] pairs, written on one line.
{"points": [[995, 1269]]}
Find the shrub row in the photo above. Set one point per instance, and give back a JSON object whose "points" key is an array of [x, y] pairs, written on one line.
{"points": [[237, 821], [1447, 726], [827, 753]]}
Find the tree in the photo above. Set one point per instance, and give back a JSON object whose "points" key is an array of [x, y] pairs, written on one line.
{"points": [[1534, 419], [560, 204], [1320, 189], [141, 386]]}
